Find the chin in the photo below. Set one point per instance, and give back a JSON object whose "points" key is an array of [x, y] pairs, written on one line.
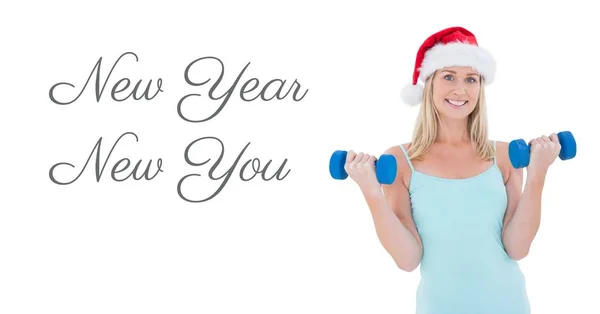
{"points": [[454, 115]]}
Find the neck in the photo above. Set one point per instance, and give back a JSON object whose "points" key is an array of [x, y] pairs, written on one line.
{"points": [[453, 132]]}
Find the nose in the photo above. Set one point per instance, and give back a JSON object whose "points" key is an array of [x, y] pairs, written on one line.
{"points": [[460, 91]]}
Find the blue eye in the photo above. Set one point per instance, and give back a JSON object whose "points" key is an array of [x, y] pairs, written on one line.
{"points": [[450, 77]]}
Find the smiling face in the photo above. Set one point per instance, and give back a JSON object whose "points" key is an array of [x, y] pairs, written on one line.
{"points": [[456, 91]]}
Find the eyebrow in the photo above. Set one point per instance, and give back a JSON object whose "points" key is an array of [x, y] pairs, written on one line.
{"points": [[468, 74]]}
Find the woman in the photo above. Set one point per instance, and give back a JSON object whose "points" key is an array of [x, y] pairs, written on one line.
{"points": [[457, 207]]}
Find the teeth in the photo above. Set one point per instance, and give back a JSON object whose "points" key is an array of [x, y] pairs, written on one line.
{"points": [[457, 102]]}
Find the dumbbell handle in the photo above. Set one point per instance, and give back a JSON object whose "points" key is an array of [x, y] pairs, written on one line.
{"points": [[385, 167], [519, 151]]}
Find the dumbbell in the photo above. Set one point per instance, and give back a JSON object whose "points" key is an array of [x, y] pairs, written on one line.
{"points": [[518, 150], [385, 167]]}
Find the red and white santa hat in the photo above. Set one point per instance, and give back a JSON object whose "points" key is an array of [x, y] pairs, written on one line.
{"points": [[453, 46]]}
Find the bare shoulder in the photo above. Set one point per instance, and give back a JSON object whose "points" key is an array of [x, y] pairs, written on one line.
{"points": [[503, 160], [502, 150], [403, 174]]}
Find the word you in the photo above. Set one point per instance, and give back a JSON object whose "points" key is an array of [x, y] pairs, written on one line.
{"points": [[247, 171]]}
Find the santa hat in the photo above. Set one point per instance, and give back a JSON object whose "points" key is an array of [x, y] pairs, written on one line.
{"points": [[454, 46]]}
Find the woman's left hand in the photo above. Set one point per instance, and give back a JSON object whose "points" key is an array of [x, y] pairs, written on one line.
{"points": [[543, 152]]}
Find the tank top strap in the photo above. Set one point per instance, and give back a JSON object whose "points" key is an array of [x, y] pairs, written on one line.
{"points": [[494, 143], [407, 158]]}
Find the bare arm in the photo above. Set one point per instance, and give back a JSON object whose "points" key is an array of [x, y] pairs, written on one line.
{"points": [[521, 226], [391, 212], [523, 213]]}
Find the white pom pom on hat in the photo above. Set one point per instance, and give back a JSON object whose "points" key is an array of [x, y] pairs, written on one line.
{"points": [[412, 95], [453, 46]]}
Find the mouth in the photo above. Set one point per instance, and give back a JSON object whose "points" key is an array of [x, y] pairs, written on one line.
{"points": [[456, 103]]}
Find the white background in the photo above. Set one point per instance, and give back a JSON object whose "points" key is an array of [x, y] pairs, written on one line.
{"points": [[306, 244]]}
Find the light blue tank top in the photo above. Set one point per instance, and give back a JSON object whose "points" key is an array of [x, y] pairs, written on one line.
{"points": [[464, 268]]}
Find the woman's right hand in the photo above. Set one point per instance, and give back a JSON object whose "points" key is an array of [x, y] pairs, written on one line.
{"points": [[361, 168]]}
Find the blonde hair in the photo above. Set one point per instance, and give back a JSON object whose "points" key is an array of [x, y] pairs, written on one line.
{"points": [[428, 120]]}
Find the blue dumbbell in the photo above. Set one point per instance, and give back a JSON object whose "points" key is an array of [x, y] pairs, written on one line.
{"points": [[385, 167], [518, 150]]}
